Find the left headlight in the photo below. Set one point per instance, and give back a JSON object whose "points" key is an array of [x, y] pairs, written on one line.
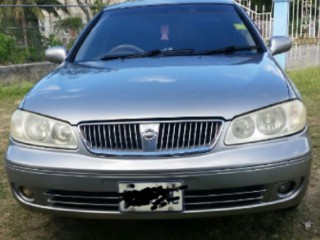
{"points": [[273, 122], [38, 130]]}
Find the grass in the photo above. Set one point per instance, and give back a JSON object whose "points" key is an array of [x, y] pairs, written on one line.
{"points": [[16, 223], [15, 91]]}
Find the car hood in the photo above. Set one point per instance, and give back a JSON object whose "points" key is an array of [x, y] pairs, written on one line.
{"points": [[162, 87]]}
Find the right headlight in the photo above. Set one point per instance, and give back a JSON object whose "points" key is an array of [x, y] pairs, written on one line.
{"points": [[273, 122], [38, 130]]}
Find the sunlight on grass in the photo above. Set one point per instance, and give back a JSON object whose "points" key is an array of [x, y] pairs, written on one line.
{"points": [[307, 81], [15, 91]]}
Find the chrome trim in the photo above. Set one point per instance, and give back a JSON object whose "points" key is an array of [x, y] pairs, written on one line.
{"points": [[192, 200], [227, 194], [167, 143]]}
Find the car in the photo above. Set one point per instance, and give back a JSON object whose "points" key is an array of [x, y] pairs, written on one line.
{"points": [[162, 110]]}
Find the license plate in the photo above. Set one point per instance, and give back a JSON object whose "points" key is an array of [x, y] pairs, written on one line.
{"points": [[151, 197]]}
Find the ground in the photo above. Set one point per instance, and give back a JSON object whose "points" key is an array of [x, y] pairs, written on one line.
{"points": [[301, 223]]}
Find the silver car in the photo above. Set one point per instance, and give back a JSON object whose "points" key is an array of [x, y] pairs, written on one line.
{"points": [[162, 109]]}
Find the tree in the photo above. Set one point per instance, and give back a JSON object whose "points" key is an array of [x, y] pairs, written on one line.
{"points": [[95, 7], [71, 24], [85, 10], [260, 3], [24, 16]]}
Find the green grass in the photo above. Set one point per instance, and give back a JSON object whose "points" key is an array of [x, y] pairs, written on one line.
{"points": [[15, 91], [308, 83], [16, 223]]}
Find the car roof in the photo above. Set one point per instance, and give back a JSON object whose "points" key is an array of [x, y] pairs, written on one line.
{"points": [[140, 3]]}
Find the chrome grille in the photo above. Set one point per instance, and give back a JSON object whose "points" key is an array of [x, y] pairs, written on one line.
{"points": [[193, 199], [112, 137], [170, 137], [104, 201], [224, 198], [187, 135]]}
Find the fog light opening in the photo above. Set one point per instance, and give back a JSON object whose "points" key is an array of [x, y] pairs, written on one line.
{"points": [[27, 194], [286, 188]]}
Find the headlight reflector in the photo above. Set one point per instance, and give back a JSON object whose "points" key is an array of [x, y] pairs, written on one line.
{"points": [[273, 122], [243, 128], [38, 130]]}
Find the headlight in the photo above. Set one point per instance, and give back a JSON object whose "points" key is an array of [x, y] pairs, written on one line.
{"points": [[42, 131], [273, 122]]}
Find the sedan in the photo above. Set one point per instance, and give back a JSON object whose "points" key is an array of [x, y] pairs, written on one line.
{"points": [[161, 110]]}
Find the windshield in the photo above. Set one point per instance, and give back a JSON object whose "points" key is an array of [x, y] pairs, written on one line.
{"points": [[176, 28]]}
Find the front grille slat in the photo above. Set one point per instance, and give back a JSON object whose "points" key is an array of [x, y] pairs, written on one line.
{"points": [[217, 131], [195, 135], [82, 204], [120, 137], [168, 136], [130, 136], [178, 138], [100, 137], [184, 134], [173, 137], [189, 139], [63, 196], [162, 127], [226, 201], [136, 135], [95, 136], [229, 194], [205, 134], [89, 137], [211, 131], [200, 134]]}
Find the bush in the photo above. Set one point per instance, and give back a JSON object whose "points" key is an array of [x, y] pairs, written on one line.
{"points": [[9, 51], [7, 47]]}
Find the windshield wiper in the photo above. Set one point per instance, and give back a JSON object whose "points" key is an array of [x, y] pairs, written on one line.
{"points": [[152, 53], [228, 50]]}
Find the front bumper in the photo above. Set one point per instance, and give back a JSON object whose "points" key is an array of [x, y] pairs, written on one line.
{"points": [[226, 182]]}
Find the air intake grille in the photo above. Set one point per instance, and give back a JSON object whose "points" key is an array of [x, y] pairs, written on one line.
{"points": [[106, 201], [224, 198], [156, 138], [193, 199]]}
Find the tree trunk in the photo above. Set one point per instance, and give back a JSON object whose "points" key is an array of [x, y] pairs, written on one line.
{"points": [[24, 32], [85, 10]]}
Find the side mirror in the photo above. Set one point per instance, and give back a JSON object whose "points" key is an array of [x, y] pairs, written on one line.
{"points": [[279, 45], [56, 54]]}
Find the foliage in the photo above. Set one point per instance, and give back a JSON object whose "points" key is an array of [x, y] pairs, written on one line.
{"points": [[7, 45], [22, 24], [70, 24], [52, 40], [266, 3], [10, 52], [26, 16], [98, 6]]}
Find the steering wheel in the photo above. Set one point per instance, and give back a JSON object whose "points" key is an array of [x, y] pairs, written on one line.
{"points": [[126, 48]]}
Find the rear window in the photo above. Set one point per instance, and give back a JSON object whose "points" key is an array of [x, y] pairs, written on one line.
{"points": [[169, 27]]}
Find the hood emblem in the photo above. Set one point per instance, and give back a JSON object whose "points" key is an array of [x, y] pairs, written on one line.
{"points": [[149, 135]]}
